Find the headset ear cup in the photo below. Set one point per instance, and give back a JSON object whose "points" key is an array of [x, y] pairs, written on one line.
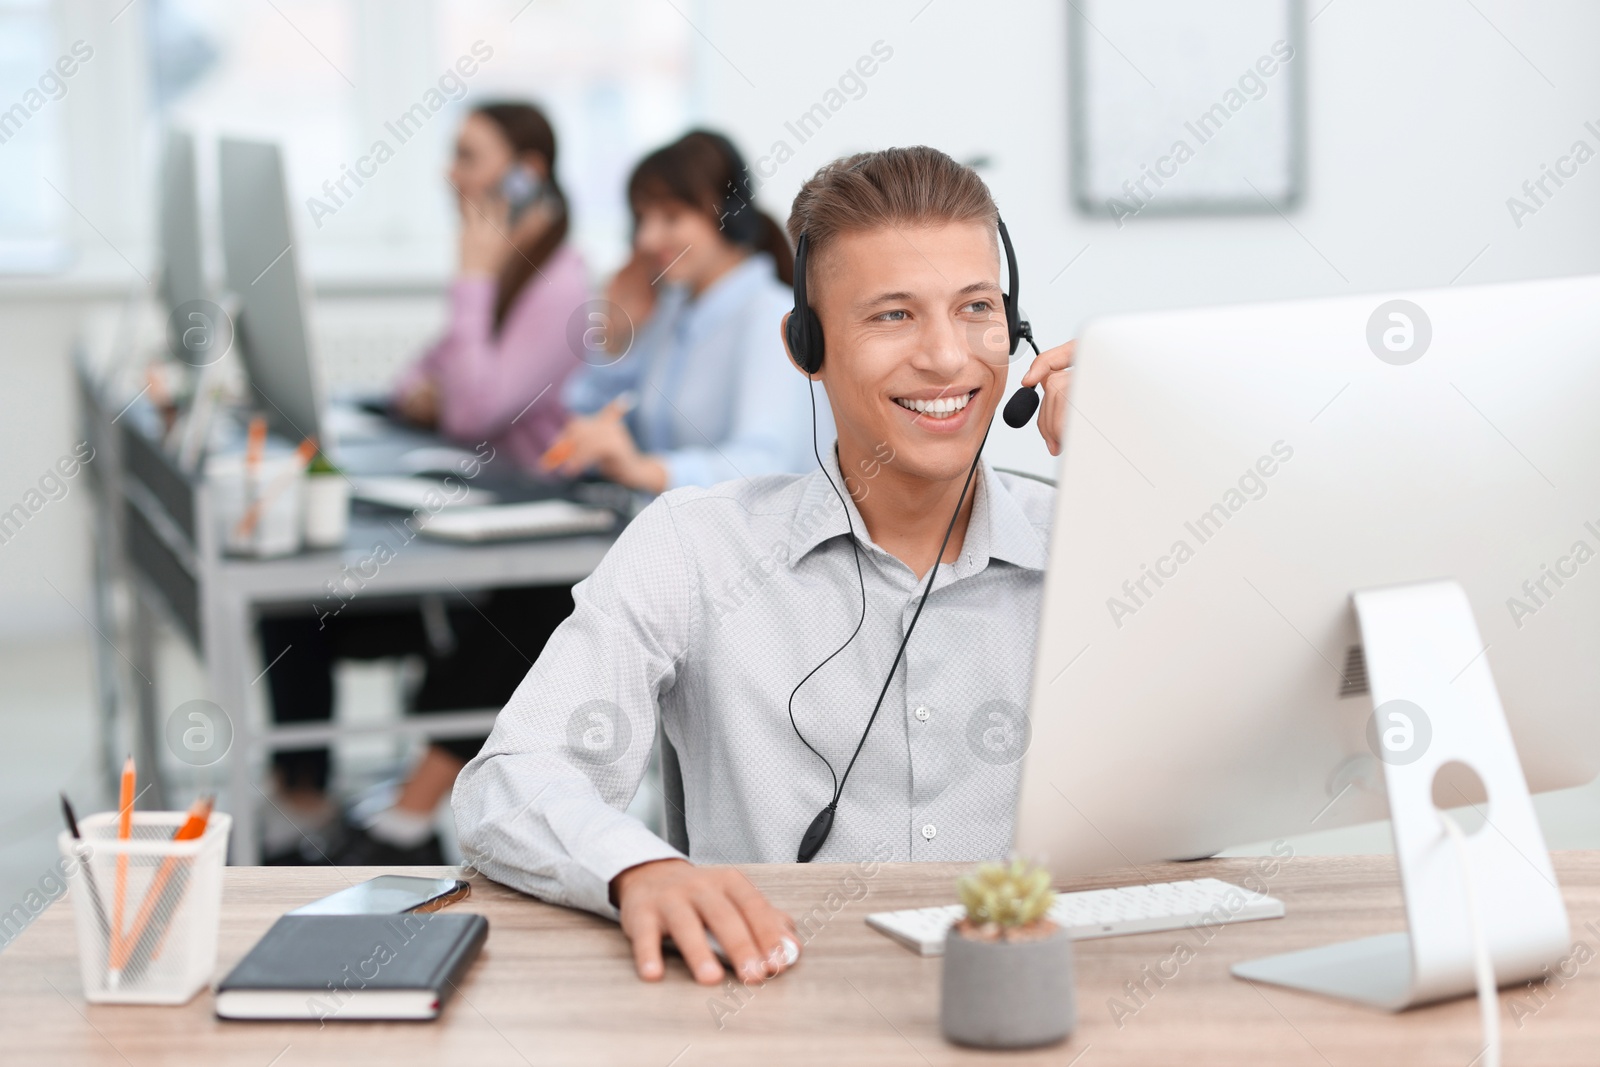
{"points": [[805, 339], [804, 330], [1013, 322], [794, 333], [814, 347], [740, 222]]}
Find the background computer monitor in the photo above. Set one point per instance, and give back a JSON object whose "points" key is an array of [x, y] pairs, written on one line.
{"points": [[178, 217], [1299, 452], [263, 273]]}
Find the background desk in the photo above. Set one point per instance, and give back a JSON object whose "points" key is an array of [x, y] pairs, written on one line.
{"points": [[156, 530], [557, 987]]}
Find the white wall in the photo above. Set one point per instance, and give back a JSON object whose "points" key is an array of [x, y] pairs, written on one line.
{"points": [[38, 426], [1423, 118], [101, 116]]}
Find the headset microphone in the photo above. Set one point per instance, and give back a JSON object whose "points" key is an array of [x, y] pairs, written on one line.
{"points": [[1020, 408]]}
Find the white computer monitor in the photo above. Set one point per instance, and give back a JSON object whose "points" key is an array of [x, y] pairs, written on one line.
{"points": [[263, 273], [1230, 476]]}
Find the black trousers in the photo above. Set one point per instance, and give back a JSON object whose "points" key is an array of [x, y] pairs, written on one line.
{"points": [[496, 640]]}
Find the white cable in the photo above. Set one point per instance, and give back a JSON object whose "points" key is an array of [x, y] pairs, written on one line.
{"points": [[1488, 990]]}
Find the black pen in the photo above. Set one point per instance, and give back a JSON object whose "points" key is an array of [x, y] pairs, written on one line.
{"points": [[88, 875]]}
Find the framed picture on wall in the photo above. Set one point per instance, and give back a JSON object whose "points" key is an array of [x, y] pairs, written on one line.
{"points": [[1186, 106]]}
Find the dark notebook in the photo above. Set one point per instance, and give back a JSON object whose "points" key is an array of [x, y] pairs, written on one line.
{"points": [[330, 967]]}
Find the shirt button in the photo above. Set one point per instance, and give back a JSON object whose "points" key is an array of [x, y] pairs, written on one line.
{"points": [[929, 831], [921, 713]]}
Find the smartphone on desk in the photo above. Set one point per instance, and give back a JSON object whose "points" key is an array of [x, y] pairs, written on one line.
{"points": [[390, 894]]}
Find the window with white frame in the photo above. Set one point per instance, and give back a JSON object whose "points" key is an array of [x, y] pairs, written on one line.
{"points": [[31, 88], [330, 79]]}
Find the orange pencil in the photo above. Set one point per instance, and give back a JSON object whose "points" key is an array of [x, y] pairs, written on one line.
{"points": [[255, 443], [119, 896], [158, 389], [562, 450], [556, 455], [252, 515], [195, 824], [255, 447], [140, 936]]}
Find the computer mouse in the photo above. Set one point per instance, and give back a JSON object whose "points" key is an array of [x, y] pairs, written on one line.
{"points": [[791, 951]]}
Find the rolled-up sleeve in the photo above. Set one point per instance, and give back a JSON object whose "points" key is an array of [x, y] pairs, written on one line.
{"points": [[542, 807]]}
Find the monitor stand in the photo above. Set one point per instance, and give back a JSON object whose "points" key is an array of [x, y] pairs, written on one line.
{"points": [[1436, 704]]}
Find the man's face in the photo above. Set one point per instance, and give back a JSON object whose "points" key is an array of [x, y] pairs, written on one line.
{"points": [[916, 354]]}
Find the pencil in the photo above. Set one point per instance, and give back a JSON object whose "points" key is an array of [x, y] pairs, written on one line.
{"points": [[88, 874], [252, 515], [166, 889], [561, 451], [556, 455], [157, 387], [119, 896], [255, 448], [255, 443]]}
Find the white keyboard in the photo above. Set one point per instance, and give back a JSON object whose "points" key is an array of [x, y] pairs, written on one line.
{"points": [[1134, 909], [542, 518], [412, 494]]}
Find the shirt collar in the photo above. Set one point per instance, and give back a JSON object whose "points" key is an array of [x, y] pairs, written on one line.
{"points": [[998, 528], [1012, 537], [818, 517]]}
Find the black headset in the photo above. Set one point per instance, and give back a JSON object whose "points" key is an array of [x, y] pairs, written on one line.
{"points": [[804, 334], [804, 329]]}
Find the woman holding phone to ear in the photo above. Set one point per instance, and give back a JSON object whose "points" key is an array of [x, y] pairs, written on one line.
{"points": [[704, 392], [497, 372], [494, 376]]}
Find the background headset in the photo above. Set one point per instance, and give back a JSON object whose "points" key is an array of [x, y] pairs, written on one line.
{"points": [[804, 334], [737, 215]]}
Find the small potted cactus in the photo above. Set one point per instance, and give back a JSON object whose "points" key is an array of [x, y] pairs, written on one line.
{"points": [[327, 504], [1007, 968]]}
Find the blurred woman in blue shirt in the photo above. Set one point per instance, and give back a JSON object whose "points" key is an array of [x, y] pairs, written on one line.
{"points": [[700, 389]]}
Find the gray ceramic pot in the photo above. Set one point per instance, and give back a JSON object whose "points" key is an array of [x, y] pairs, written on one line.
{"points": [[1007, 994]]}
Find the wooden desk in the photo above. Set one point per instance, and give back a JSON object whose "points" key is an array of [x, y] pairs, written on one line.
{"points": [[557, 987]]}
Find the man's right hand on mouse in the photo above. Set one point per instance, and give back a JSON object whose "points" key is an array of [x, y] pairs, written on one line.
{"points": [[675, 898]]}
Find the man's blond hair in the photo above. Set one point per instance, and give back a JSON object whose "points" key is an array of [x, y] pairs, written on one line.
{"points": [[915, 186]]}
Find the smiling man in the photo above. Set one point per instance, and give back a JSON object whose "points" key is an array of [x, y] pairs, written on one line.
{"points": [[761, 621]]}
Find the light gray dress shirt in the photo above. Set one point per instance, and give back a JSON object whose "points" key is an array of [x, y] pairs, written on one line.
{"points": [[712, 605]]}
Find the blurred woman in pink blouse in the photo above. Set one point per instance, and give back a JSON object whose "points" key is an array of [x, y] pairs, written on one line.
{"points": [[496, 374]]}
